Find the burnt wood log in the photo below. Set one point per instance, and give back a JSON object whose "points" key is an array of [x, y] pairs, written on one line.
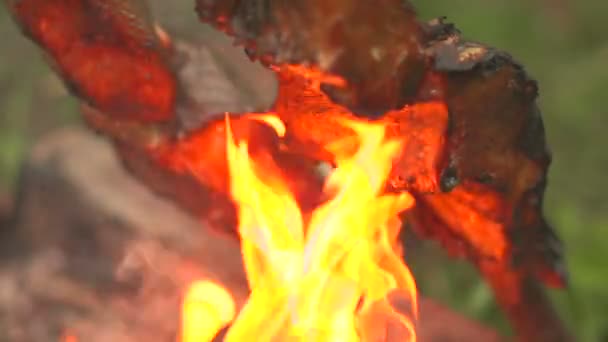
{"points": [[95, 252]]}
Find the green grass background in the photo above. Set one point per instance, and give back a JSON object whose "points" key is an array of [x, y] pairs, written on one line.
{"points": [[563, 44]]}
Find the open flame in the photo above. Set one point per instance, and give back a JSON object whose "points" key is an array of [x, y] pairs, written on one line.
{"points": [[332, 275], [206, 309]]}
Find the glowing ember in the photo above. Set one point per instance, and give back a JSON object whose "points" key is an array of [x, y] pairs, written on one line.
{"points": [[332, 276], [68, 337]]}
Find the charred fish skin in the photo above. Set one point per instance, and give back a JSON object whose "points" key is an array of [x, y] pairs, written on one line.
{"points": [[329, 35], [496, 147], [106, 52]]}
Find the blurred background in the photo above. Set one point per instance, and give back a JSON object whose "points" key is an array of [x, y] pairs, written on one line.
{"points": [[563, 44]]}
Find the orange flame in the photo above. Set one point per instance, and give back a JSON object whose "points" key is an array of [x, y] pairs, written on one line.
{"points": [[329, 276], [335, 274], [206, 309]]}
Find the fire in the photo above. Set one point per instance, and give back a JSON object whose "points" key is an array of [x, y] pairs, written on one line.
{"points": [[206, 309], [332, 275]]}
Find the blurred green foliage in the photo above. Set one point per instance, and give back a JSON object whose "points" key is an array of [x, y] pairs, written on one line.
{"points": [[563, 44], [32, 99]]}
